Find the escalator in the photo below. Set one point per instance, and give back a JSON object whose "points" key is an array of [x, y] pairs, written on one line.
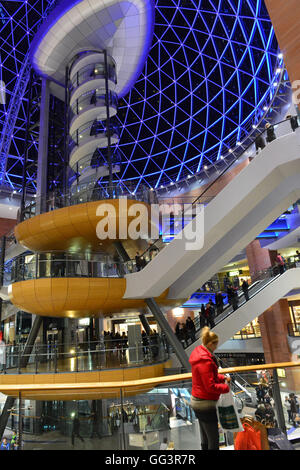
{"points": [[266, 292], [259, 194]]}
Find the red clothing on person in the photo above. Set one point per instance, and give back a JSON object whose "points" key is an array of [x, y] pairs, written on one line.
{"points": [[206, 382]]}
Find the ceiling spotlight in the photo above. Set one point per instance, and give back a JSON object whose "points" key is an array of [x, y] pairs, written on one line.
{"points": [[265, 108], [205, 167], [280, 55]]}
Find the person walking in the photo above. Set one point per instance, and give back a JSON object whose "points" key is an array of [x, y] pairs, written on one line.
{"points": [[245, 287], [76, 430], [207, 386]]}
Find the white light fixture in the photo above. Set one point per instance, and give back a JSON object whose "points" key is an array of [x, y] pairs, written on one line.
{"points": [[280, 55], [178, 312]]}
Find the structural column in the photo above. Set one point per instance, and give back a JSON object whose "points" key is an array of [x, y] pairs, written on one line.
{"points": [[274, 321], [43, 148]]}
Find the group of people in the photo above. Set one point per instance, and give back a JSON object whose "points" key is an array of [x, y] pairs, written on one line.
{"points": [[270, 133], [13, 444], [211, 310], [265, 414], [186, 331], [291, 404], [115, 343]]}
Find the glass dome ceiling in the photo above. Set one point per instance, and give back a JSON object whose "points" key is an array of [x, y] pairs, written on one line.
{"points": [[211, 66]]}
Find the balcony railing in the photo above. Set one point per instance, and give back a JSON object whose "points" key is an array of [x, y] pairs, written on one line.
{"points": [[133, 419]]}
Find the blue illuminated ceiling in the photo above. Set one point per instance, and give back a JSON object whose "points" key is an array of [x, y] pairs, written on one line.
{"points": [[211, 66]]}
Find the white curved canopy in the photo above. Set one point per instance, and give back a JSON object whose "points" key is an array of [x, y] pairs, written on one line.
{"points": [[123, 28]]}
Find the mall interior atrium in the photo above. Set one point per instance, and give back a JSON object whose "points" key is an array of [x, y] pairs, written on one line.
{"points": [[149, 186]]}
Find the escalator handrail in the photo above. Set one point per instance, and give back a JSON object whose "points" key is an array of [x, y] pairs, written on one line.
{"points": [[220, 175]]}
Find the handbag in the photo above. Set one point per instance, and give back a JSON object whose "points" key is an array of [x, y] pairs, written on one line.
{"points": [[278, 440], [250, 439], [227, 413]]}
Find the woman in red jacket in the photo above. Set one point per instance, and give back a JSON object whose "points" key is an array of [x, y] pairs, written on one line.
{"points": [[207, 386]]}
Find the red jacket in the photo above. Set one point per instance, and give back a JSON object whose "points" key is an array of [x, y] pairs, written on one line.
{"points": [[206, 382]]}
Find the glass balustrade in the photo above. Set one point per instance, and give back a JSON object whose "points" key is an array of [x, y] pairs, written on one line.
{"points": [[54, 357], [149, 413]]}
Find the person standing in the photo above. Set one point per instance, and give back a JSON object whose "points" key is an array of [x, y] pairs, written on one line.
{"points": [[245, 287], [280, 263], [293, 409], [287, 405], [138, 262], [207, 386], [5, 444], [191, 330], [219, 302], [270, 133], [259, 143], [202, 317], [209, 314]]}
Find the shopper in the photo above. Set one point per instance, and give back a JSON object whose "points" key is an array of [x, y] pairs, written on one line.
{"points": [[14, 440], [76, 431], [5, 444], [138, 262], [270, 132], [191, 330], [207, 386], [209, 314], [245, 287], [202, 317], [219, 303], [260, 393], [294, 122], [280, 263], [287, 405], [293, 409], [259, 143]]}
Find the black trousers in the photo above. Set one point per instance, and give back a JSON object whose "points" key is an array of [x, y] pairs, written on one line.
{"points": [[209, 432]]}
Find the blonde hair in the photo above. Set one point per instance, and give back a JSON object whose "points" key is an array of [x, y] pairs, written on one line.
{"points": [[208, 336]]}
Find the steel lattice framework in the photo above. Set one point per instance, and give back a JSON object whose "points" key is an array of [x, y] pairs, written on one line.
{"points": [[212, 67]]}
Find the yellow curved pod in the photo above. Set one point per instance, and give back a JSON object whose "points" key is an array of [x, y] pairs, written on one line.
{"points": [[42, 383], [78, 297], [74, 227]]}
